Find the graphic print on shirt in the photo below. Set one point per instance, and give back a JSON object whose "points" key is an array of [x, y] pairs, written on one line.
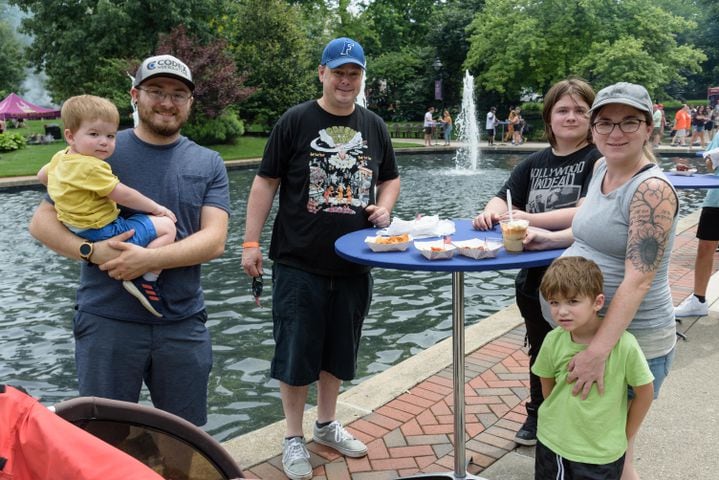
{"points": [[553, 188], [340, 181]]}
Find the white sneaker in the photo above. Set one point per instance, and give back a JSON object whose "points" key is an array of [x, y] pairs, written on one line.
{"points": [[691, 307], [296, 459], [335, 436]]}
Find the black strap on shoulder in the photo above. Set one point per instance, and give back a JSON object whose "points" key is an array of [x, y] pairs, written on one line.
{"points": [[643, 169]]}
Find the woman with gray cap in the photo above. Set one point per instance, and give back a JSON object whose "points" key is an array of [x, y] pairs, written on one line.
{"points": [[626, 225]]}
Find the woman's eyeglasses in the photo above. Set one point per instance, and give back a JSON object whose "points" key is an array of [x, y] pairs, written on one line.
{"points": [[604, 127]]}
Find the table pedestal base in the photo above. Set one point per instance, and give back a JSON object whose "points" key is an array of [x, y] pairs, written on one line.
{"points": [[460, 462]]}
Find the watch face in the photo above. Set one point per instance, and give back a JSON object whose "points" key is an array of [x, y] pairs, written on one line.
{"points": [[85, 249]]}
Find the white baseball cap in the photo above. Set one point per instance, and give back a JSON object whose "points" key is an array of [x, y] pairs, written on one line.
{"points": [[164, 66]]}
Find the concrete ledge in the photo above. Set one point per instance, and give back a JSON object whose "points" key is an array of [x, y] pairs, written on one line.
{"points": [[261, 445]]}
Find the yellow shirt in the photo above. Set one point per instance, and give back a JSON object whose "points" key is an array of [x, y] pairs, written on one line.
{"points": [[79, 186]]}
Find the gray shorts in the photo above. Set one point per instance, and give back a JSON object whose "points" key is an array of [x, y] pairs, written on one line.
{"points": [[114, 357], [317, 323]]}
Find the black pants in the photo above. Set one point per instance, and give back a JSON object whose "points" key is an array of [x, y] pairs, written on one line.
{"points": [[527, 291]]}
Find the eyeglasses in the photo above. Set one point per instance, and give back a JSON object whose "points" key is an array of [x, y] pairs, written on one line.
{"points": [[604, 127], [160, 96]]}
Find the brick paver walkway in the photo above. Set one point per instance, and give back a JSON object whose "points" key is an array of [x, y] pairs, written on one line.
{"points": [[413, 433]]}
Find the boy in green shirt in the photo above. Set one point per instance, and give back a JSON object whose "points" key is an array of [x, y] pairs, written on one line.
{"points": [[585, 439]]}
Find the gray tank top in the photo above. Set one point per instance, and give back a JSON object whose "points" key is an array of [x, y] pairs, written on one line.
{"points": [[601, 230]]}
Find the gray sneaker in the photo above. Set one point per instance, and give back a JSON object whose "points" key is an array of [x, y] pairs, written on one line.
{"points": [[296, 459], [335, 436]]}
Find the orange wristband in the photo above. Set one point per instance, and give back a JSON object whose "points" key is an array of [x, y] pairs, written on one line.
{"points": [[251, 245]]}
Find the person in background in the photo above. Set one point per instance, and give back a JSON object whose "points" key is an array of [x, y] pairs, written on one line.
{"points": [[511, 122], [698, 119], [2, 126], [518, 137], [333, 163], [682, 126], [708, 236], [626, 225], [585, 438], [657, 132], [118, 343], [428, 126], [489, 125], [568, 162], [86, 192], [447, 124]]}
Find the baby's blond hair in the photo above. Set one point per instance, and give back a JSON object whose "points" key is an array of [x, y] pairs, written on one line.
{"points": [[87, 108]]}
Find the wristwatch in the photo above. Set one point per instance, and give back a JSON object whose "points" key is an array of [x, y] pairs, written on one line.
{"points": [[86, 249]]}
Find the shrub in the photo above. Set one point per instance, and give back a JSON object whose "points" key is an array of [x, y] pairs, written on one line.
{"points": [[11, 141], [212, 131]]}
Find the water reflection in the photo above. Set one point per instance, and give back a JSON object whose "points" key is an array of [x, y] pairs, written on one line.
{"points": [[410, 311]]}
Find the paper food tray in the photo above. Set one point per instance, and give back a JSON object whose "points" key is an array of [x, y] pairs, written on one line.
{"points": [[425, 248], [371, 242], [685, 173], [478, 249]]}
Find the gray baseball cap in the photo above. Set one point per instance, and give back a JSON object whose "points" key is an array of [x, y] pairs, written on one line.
{"points": [[164, 66], [625, 93]]}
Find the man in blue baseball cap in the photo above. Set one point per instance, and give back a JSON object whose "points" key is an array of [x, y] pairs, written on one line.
{"points": [[333, 163]]}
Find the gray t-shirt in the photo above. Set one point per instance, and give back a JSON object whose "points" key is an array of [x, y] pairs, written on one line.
{"points": [[601, 231], [184, 177]]}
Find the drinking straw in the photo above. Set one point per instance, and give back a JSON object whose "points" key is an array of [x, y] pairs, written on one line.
{"points": [[509, 204]]}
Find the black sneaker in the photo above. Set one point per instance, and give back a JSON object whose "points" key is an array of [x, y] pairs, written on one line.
{"points": [[527, 435], [147, 293]]}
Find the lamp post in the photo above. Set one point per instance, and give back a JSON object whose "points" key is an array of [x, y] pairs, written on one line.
{"points": [[437, 65]]}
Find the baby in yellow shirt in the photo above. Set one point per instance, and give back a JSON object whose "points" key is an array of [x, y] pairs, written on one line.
{"points": [[86, 192]]}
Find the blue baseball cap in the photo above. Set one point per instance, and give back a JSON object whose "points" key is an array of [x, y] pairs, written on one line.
{"points": [[341, 51]]}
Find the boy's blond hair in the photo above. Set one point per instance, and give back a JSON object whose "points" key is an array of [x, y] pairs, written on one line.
{"points": [[569, 277], [87, 108]]}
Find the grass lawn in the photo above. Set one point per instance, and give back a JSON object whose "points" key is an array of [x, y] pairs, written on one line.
{"points": [[28, 160]]}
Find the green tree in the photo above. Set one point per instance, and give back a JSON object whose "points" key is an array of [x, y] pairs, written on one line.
{"points": [[12, 61], [72, 39], [398, 83], [392, 25], [449, 36], [524, 45], [270, 47], [218, 87]]}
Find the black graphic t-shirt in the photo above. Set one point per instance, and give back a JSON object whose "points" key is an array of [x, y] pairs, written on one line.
{"points": [[328, 168], [544, 182]]}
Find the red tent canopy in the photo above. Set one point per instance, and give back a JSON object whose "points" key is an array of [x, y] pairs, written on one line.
{"points": [[15, 107]]}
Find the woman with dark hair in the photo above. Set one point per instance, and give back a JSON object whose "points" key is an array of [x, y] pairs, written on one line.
{"points": [[568, 163]]}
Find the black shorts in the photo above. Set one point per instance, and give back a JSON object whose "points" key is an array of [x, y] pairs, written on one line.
{"points": [[427, 130], [317, 323], [549, 465], [490, 132], [708, 228]]}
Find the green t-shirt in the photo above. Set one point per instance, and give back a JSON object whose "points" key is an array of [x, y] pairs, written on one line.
{"points": [[592, 430]]}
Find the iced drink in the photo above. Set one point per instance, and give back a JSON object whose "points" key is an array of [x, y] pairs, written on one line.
{"points": [[513, 233]]}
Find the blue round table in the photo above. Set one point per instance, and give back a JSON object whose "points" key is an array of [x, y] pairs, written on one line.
{"points": [[353, 248], [706, 180]]}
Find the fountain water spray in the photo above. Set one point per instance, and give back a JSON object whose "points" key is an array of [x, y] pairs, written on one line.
{"points": [[467, 155]]}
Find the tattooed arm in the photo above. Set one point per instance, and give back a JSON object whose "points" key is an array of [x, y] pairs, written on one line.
{"points": [[651, 214]]}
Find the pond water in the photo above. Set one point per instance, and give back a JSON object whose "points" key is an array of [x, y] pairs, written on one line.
{"points": [[410, 311]]}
